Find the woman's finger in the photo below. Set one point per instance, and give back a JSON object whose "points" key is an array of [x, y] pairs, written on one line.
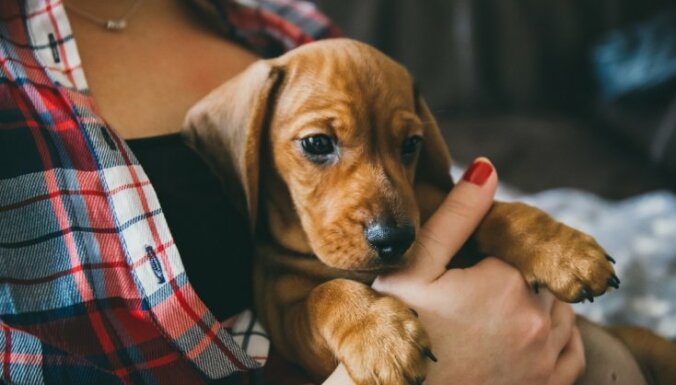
{"points": [[453, 223], [571, 363], [544, 298], [563, 323]]}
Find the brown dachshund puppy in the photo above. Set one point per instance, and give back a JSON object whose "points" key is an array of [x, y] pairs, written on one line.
{"points": [[337, 160]]}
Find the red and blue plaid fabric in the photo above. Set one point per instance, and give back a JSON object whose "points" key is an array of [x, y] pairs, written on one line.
{"points": [[92, 288]]}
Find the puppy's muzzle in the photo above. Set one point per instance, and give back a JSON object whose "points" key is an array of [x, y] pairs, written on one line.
{"points": [[390, 240]]}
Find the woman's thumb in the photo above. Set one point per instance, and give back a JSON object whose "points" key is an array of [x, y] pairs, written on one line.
{"points": [[454, 221]]}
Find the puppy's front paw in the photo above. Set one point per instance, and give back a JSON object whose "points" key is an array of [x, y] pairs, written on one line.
{"points": [[387, 346], [548, 253], [571, 264]]}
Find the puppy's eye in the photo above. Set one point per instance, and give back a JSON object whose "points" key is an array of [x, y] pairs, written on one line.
{"points": [[318, 147], [410, 147]]}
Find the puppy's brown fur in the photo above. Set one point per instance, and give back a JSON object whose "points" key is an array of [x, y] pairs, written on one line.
{"points": [[314, 264]]}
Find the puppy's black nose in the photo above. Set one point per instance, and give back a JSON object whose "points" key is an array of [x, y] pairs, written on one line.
{"points": [[390, 240]]}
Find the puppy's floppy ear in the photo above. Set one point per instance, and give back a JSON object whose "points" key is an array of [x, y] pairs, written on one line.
{"points": [[227, 127], [433, 172]]}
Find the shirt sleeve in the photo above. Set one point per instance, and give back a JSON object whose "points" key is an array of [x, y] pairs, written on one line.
{"points": [[92, 287], [271, 27]]}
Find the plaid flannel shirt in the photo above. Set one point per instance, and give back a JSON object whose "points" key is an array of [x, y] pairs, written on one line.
{"points": [[92, 288]]}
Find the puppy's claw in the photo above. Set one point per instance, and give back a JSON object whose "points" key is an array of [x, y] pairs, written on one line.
{"points": [[415, 313], [614, 281], [586, 294], [610, 259], [429, 354], [536, 287]]}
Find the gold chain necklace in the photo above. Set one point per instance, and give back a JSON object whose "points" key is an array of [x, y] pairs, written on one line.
{"points": [[113, 25]]}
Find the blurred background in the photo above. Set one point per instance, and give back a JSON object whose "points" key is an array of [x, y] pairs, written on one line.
{"points": [[557, 93], [575, 103]]}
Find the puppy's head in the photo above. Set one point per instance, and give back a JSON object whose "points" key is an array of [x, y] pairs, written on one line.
{"points": [[340, 142]]}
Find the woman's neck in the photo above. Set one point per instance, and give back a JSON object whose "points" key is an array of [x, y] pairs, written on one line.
{"points": [[145, 77]]}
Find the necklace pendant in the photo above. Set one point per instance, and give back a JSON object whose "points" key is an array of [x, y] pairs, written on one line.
{"points": [[116, 25]]}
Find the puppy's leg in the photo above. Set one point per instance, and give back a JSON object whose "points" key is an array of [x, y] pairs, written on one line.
{"points": [[609, 362], [655, 355], [548, 253], [378, 338]]}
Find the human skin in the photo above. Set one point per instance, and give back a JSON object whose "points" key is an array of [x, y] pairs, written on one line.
{"points": [[529, 339], [145, 78], [485, 324]]}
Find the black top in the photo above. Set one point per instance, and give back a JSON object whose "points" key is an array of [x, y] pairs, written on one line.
{"points": [[211, 236]]}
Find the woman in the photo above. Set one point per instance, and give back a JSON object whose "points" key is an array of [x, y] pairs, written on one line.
{"points": [[94, 290]]}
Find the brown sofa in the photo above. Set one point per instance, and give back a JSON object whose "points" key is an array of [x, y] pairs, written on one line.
{"points": [[514, 80]]}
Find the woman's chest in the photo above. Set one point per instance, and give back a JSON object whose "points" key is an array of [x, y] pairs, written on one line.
{"points": [[145, 78]]}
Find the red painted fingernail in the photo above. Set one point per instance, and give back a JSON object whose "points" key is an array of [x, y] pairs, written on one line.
{"points": [[478, 172]]}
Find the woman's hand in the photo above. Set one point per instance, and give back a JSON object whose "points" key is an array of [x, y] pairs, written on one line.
{"points": [[485, 324]]}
